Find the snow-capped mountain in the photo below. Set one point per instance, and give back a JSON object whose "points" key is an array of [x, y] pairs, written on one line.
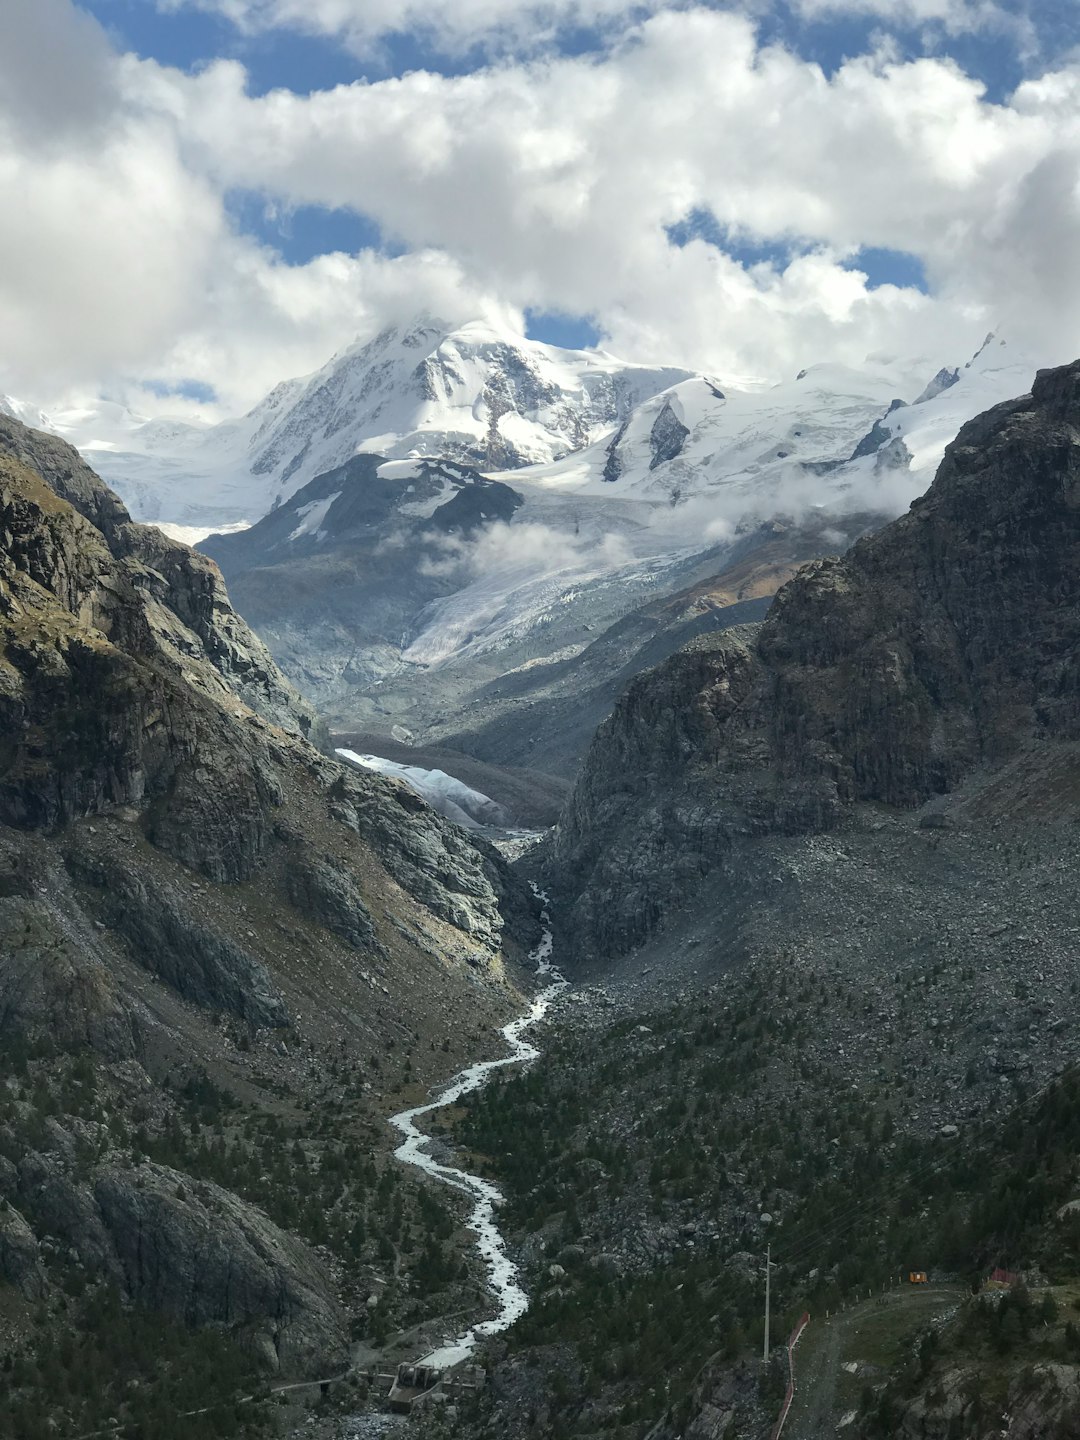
{"points": [[515, 503], [398, 587], [478, 395], [564, 421], [26, 414], [834, 436]]}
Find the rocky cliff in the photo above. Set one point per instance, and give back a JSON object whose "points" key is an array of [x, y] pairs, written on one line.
{"points": [[944, 647], [192, 898]]}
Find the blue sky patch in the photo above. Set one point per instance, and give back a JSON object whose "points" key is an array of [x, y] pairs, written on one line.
{"points": [[702, 224], [889, 267], [186, 389], [990, 55], [569, 332], [880, 266], [301, 234]]}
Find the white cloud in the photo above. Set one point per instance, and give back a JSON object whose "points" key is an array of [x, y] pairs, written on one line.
{"points": [[117, 261], [546, 184], [555, 182], [453, 26], [55, 71]]}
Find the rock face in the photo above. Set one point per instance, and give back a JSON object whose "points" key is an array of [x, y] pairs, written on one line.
{"points": [[201, 964], [336, 577], [20, 1255], [189, 887], [185, 610], [208, 1258], [110, 698], [667, 437], [950, 641], [188, 1249]]}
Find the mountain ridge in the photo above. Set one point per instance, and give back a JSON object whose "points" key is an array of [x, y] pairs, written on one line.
{"points": [[946, 642], [195, 901], [479, 395]]}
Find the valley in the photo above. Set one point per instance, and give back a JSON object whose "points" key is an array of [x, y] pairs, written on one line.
{"points": [[808, 824], [539, 720]]}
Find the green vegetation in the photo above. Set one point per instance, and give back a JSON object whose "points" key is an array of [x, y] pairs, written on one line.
{"points": [[88, 1355], [110, 1362], [662, 1141]]}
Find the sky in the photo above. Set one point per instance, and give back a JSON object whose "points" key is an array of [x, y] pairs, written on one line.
{"points": [[200, 198]]}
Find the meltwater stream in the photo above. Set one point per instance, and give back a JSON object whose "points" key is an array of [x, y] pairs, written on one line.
{"points": [[502, 1272]]}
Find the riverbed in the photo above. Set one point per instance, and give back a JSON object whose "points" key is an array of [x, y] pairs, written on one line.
{"points": [[503, 1280]]}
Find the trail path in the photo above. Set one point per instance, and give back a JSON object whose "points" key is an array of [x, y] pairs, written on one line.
{"points": [[836, 1357]]}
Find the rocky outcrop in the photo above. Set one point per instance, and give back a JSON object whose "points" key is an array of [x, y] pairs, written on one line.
{"points": [[1042, 1402], [949, 641], [185, 882], [185, 612], [188, 1249], [204, 1256], [667, 437], [464, 883], [51, 986], [20, 1254], [106, 697], [200, 964], [113, 694], [328, 893]]}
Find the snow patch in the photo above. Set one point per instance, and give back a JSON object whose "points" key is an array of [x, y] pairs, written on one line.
{"points": [[450, 797], [311, 517], [195, 534]]}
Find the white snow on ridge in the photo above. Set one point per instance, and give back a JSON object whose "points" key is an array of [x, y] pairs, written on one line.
{"points": [[312, 516], [450, 797], [477, 394], [765, 451], [588, 426], [752, 454], [25, 414], [995, 375], [193, 534]]}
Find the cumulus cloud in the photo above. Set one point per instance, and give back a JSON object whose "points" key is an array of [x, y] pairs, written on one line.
{"points": [[558, 182], [55, 72], [118, 263], [546, 183], [453, 26]]}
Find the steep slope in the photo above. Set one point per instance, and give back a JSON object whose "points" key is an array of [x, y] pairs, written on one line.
{"points": [[192, 898], [832, 436], [478, 395], [417, 617], [335, 577], [946, 644], [549, 712]]}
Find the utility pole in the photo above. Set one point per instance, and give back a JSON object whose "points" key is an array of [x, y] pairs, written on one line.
{"points": [[768, 1277]]}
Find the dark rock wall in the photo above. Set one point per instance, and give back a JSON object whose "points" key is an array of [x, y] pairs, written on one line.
{"points": [[948, 641]]}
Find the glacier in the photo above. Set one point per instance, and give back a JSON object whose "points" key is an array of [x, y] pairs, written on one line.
{"points": [[450, 797]]}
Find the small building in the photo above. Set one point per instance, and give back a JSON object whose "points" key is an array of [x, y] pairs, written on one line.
{"points": [[413, 1383], [416, 1385], [1003, 1279]]}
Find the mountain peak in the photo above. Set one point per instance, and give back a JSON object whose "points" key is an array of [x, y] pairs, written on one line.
{"points": [[479, 395]]}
